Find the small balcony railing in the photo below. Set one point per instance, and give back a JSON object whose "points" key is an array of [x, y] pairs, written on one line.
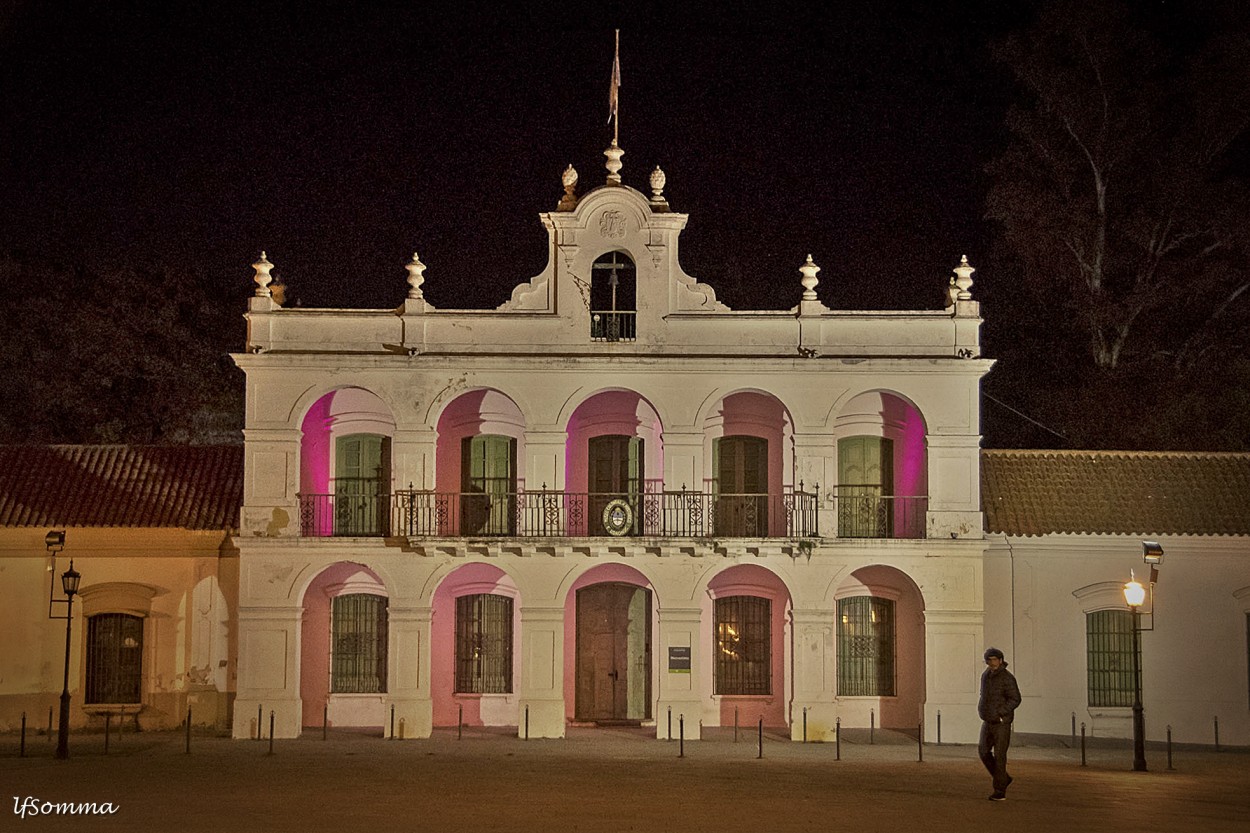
{"points": [[613, 325], [546, 513], [863, 512]]}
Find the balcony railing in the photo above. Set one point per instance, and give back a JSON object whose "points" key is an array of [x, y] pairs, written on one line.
{"points": [[545, 513], [612, 325], [863, 512]]}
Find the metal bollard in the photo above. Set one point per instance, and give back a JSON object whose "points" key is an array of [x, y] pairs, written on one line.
{"points": [[681, 736], [271, 732], [392, 735], [670, 722], [735, 724], [23, 752], [108, 719], [460, 722], [260, 721], [1082, 743], [49, 724], [872, 724], [188, 730], [527, 721], [1074, 727], [325, 720], [1217, 733], [939, 711], [761, 752], [920, 742], [805, 724], [837, 738], [1170, 746]]}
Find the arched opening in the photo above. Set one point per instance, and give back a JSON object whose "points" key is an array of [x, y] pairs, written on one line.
{"points": [[344, 648], [608, 627], [345, 465], [880, 647], [749, 450], [475, 641], [614, 464], [613, 298], [481, 443], [882, 468], [747, 616]]}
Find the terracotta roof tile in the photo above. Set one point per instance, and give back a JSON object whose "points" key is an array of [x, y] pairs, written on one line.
{"points": [[190, 487], [1115, 492]]}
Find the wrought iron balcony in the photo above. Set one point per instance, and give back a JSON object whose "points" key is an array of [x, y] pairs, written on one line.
{"points": [[863, 512], [557, 514], [613, 325]]}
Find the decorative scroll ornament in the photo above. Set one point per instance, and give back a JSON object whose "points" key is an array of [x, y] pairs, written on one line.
{"points": [[612, 224]]}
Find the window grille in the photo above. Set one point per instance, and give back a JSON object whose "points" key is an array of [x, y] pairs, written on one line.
{"points": [[114, 658], [1109, 653], [743, 645], [358, 644], [484, 644], [865, 647]]}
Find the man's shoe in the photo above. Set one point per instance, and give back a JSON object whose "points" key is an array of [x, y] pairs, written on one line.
{"points": [[998, 797]]}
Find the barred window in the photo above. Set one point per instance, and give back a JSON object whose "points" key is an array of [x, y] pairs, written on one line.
{"points": [[358, 646], [744, 645], [1109, 654], [865, 647], [114, 658], [484, 644]]}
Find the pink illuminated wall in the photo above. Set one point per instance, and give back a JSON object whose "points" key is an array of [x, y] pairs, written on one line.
{"points": [[479, 709], [469, 415], [751, 580], [903, 710], [613, 412], [314, 670]]}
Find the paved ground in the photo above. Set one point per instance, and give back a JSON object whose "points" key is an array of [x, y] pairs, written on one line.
{"points": [[614, 780]]}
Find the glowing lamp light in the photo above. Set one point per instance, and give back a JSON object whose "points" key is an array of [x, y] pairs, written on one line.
{"points": [[1134, 593]]}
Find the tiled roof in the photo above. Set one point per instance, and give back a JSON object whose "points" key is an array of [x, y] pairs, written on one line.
{"points": [[1115, 492], [189, 487]]}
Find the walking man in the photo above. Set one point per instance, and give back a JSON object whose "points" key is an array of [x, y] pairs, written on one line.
{"points": [[999, 697]]}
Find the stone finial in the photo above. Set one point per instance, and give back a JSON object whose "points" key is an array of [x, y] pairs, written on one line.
{"points": [[569, 180], [809, 280], [415, 277], [262, 277], [963, 279], [658, 180], [614, 154]]}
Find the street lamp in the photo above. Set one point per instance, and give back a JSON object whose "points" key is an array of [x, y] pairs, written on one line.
{"points": [[70, 580], [1135, 597]]}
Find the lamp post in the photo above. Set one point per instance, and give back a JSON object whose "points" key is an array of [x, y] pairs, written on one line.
{"points": [[1135, 594], [70, 580]]}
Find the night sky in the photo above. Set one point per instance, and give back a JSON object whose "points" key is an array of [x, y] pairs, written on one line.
{"points": [[189, 136]]}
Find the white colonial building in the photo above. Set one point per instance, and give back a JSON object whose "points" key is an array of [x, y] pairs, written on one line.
{"points": [[612, 499]]}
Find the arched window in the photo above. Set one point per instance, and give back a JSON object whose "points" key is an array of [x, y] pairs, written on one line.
{"points": [[484, 644], [613, 298], [362, 479], [488, 485], [358, 644], [114, 658], [743, 645], [865, 647]]}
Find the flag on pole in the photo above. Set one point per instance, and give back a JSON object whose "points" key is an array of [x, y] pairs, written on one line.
{"points": [[613, 91]]}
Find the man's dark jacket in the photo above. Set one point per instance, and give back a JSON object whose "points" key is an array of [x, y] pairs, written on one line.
{"points": [[999, 696]]}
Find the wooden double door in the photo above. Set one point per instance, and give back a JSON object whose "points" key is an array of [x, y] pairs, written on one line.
{"points": [[613, 653]]}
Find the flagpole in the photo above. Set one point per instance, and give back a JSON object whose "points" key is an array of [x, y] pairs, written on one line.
{"points": [[615, 91]]}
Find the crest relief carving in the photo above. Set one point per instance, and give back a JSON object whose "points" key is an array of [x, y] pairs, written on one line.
{"points": [[612, 224]]}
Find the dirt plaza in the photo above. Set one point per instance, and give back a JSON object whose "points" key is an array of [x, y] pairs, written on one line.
{"points": [[611, 778]]}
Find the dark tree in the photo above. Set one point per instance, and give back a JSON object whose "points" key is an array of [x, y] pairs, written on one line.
{"points": [[117, 355]]}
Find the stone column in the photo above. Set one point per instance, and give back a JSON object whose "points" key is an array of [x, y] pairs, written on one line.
{"points": [[408, 672], [815, 674], [269, 668], [679, 691], [541, 699]]}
